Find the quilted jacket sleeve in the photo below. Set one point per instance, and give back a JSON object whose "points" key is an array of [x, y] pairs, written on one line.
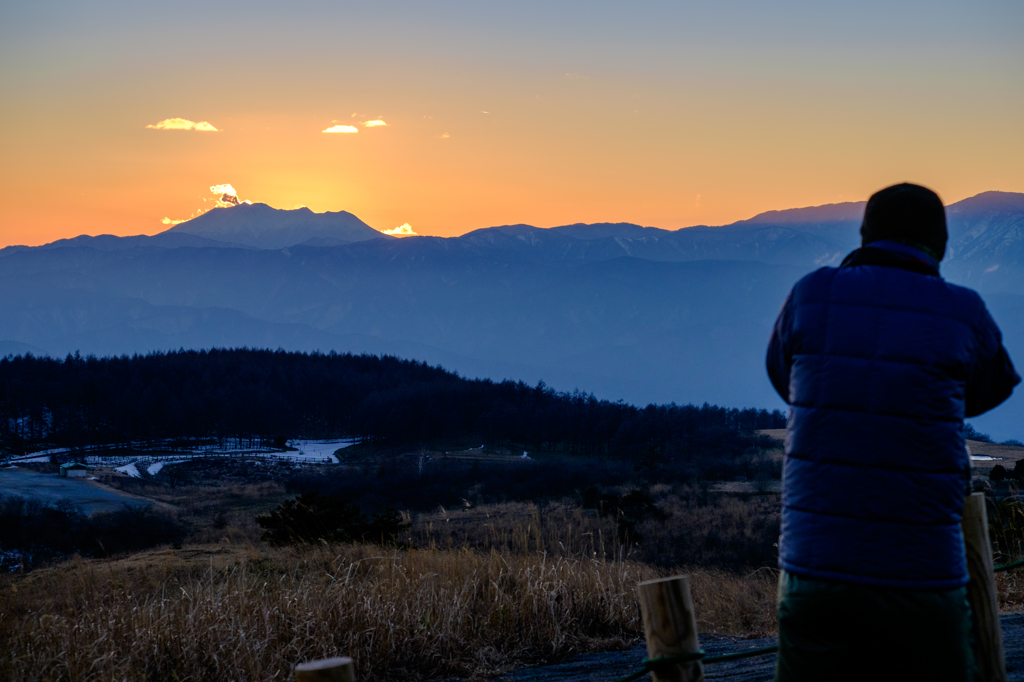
{"points": [[992, 375], [780, 356]]}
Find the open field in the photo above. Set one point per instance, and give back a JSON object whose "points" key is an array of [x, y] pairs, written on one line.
{"points": [[50, 488], [525, 562], [472, 591], [229, 611], [223, 612], [1007, 455]]}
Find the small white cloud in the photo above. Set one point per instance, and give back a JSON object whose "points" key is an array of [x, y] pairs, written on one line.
{"points": [[224, 189], [342, 129], [228, 195], [485, 112], [403, 230], [168, 221], [444, 136], [183, 124], [376, 123]]}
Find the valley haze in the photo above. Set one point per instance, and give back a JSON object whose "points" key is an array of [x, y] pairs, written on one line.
{"points": [[623, 311]]}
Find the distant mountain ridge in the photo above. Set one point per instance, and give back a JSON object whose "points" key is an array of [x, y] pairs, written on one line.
{"points": [[264, 227], [827, 213], [631, 312]]}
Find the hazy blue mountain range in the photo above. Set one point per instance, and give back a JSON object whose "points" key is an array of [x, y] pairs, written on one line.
{"points": [[623, 311]]}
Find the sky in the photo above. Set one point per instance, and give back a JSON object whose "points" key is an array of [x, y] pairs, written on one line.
{"points": [[668, 114]]}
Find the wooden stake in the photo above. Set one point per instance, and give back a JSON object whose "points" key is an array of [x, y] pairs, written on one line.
{"points": [[670, 627], [326, 670], [981, 591]]}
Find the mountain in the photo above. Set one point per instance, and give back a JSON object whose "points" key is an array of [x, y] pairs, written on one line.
{"points": [[986, 241], [782, 245], [624, 311], [828, 214], [263, 227], [109, 242]]}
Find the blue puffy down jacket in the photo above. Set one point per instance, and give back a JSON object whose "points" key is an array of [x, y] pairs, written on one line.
{"points": [[880, 360]]}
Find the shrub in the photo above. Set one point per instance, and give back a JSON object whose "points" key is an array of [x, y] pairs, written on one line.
{"points": [[313, 518], [627, 510]]}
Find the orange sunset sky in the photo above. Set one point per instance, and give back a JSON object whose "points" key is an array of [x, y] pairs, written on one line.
{"points": [[665, 114]]}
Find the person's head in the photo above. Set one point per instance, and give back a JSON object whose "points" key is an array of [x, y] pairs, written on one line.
{"points": [[906, 213]]}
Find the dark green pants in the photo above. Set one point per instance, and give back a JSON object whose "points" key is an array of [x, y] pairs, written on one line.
{"points": [[830, 631]]}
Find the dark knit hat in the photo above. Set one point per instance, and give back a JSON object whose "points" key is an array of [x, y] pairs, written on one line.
{"points": [[906, 213]]}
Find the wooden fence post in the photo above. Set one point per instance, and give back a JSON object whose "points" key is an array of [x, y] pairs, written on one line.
{"points": [[981, 591], [670, 627], [326, 670]]}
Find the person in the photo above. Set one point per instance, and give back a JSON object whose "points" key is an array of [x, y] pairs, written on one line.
{"points": [[880, 361]]}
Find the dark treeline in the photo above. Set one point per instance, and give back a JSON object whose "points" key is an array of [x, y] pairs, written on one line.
{"points": [[265, 396]]}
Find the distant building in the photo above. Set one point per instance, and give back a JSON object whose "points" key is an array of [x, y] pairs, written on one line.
{"points": [[74, 470]]}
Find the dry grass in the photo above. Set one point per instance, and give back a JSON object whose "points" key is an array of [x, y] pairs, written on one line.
{"points": [[216, 613], [698, 529], [477, 591], [518, 527]]}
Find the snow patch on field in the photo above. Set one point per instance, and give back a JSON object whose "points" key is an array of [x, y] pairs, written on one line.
{"points": [[302, 451], [37, 458], [154, 468], [130, 469], [316, 450]]}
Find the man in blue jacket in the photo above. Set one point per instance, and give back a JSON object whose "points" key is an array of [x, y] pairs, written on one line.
{"points": [[880, 361]]}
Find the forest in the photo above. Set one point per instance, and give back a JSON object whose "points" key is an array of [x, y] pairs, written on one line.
{"points": [[265, 397]]}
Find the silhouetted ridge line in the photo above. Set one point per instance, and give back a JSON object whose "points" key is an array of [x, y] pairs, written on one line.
{"points": [[265, 396]]}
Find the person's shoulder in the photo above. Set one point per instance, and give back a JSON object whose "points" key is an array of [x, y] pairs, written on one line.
{"points": [[962, 293], [814, 285], [965, 301]]}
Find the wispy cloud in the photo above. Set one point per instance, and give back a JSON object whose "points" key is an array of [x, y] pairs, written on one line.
{"points": [[168, 221], [183, 124], [444, 136], [376, 123], [403, 230], [342, 129]]}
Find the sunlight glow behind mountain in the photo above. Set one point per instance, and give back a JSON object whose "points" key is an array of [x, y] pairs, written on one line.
{"points": [[668, 114]]}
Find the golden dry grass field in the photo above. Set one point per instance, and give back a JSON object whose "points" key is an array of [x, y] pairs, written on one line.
{"points": [[469, 591], [216, 612]]}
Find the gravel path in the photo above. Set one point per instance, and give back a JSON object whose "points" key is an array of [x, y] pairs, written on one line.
{"points": [[610, 666]]}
